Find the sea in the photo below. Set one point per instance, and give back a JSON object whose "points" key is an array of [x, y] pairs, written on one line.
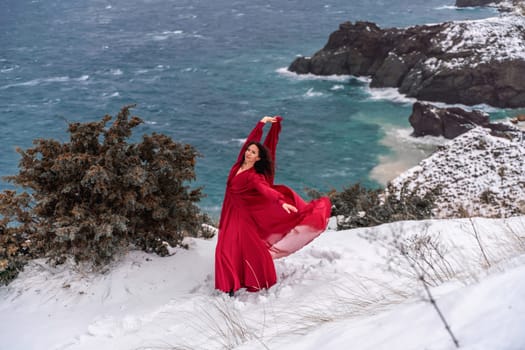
{"points": [[203, 73]]}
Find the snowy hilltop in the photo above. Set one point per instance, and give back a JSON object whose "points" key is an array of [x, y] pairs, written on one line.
{"points": [[477, 175], [475, 42], [357, 288]]}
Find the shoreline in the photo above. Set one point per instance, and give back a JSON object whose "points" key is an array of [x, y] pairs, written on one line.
{"points": [[406, 152]]}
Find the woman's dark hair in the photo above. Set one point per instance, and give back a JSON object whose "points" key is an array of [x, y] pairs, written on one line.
{"points": [[264, 165]]}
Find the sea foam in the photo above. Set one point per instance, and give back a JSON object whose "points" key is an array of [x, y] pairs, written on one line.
{"points": [[312, 93], [175, 34], [390, 94], [285, 72]]}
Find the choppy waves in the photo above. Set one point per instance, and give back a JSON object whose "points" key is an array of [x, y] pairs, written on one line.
{"points": [[44, 81], [174, 34]]}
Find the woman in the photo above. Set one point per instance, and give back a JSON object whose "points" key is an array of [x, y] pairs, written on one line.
{"points": [[261, 221]]}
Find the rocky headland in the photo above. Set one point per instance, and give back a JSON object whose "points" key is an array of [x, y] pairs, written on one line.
{"points": [[466, 62]]}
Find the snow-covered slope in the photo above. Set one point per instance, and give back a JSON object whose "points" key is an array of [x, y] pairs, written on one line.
{"points": [[479, 175], [347, 289], [482, 41]]}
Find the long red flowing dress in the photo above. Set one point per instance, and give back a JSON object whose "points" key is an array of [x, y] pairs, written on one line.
{"points": [[254, 228]]}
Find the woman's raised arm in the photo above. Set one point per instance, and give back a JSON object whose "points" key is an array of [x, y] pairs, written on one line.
{"points": [[271, 142], [256, 134]]}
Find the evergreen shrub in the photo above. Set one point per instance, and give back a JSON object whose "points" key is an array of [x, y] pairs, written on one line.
{"points": [[99, 195]]}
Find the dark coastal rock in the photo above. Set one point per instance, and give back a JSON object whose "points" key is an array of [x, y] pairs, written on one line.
{"points": [[500, 5], [427, 119], [367, 52], [475, 3], [470, 62]]}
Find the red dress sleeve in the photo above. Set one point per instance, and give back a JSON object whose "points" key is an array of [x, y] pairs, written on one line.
{"points": [[263, 187], [271, 143]]}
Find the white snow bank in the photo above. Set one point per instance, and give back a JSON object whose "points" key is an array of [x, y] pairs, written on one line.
{"points": [[347, 288]]}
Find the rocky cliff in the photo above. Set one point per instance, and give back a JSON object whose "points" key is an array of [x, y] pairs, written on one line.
{"points": [[467, 62]]}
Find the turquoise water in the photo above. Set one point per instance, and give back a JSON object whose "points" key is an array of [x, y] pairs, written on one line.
{"points": [[203, 72]]}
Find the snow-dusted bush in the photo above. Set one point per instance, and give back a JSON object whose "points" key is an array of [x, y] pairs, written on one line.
{"points": [[15, 247], [357, 206], [97, 195]]}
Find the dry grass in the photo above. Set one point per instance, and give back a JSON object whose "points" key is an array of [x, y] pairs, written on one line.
{"points": [[352, 297], [224, 326], [418, 261]]}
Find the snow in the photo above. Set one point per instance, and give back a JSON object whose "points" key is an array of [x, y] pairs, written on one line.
{"points": [[479, 175], [346, 289], [473, 42]]}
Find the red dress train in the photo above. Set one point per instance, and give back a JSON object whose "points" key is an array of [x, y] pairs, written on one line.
{"points": [[254, 229]]}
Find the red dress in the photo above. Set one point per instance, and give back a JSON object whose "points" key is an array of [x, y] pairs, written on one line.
{"points": [[254, 229]]}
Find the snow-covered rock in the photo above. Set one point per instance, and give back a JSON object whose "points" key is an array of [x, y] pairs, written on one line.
{"points": [[477, 174]]}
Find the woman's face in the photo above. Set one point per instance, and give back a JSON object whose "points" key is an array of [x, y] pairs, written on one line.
{"points": [[252, 154]]}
